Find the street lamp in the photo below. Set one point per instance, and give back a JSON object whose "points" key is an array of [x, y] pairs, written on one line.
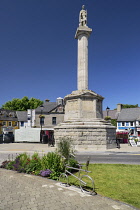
{"points": [[41, 121], [107, 110]]}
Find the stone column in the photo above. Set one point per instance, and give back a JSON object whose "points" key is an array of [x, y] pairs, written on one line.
{"points": [[82, 34], [82, 71]]}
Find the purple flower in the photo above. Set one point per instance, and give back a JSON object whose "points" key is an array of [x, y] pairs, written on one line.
{"points": [[45, 173]]}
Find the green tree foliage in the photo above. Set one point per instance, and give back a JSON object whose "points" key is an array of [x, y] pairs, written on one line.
{"points": [[107, 118], [114, 122], [22, 104], [65, 147], [125, 106]]}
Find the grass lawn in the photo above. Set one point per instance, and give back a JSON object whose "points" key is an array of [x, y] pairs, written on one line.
{"points": [[118, 181]]}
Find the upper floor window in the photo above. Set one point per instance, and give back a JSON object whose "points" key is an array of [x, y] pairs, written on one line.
{"points": [[9, 123], [123, 123], [54, 120], [4, 123], [42, 121], [131, 123], [119, 123], [15, 124], [127, 123]]}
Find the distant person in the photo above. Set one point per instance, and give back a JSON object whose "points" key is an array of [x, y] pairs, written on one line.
{"points": [[118, 143]]}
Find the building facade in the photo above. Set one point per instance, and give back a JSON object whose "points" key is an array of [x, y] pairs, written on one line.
{"points": [[8, 121], [51, 114]]}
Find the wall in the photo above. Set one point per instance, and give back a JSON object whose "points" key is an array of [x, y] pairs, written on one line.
{"points": [[27, 135], [48, 120]]}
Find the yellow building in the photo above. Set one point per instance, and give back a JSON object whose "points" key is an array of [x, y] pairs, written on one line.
{"points": [[8, 121]]}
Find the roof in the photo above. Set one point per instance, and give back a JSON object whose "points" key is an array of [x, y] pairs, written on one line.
{"points": [[8, 115], [111, 113], [22, 116], [129, 114], [48, 106]]}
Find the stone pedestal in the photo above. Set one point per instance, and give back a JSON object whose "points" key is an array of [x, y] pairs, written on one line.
{"points": [[83, 122], [97, 134]]}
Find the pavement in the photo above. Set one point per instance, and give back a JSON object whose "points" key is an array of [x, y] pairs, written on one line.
{"points": [[20, 191], [44, 148]]}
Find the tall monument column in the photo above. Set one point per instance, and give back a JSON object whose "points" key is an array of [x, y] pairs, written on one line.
{"points": [[82, 34], [83, 119]]}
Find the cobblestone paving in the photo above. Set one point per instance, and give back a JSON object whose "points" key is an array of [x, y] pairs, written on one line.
{"points": [[22, 192]]}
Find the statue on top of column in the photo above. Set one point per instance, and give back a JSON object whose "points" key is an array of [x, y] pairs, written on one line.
{"points": [[83, 17]]}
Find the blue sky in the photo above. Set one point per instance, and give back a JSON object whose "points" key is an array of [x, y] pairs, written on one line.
{"points": [[38, 52]]}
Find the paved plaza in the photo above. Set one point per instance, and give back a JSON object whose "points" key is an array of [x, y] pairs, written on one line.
{"points": [[20, 191]]}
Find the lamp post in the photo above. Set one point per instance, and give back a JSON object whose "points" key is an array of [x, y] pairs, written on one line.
{"points": [[107, 110], [41, 122]]}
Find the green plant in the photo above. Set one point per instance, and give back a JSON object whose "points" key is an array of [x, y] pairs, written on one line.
{"points": [[65, 147], [5, 163], [107, 118], [136, 140], [10, 165], [114, 122], [23, 158], [54, 162], [33, 164], [73, 163]]}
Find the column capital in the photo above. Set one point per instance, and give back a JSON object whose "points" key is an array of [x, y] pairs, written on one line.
{"points": [[81, 30]]}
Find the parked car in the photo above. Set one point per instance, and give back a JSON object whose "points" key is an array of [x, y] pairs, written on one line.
{"points": [[7, 138]]}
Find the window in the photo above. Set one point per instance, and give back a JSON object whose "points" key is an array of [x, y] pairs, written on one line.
{"points": [[9, 123], [131, 123], [42, 121], [54, 120], [15, 123], [21, 123], [3, 123], [127, 124], [119, 123], [122, 123]]}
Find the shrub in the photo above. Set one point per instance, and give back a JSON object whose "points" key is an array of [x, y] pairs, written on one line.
{"points": [[17, 165], [23, 159], [5, 163], [73, 163], [54, 162], [65, 147], [33, 164], [9, 166], [107, 118], [50, 165]]}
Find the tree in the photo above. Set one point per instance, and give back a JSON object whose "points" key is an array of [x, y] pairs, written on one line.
{"points": [[113, 121], [22, 104], [125, 106]]}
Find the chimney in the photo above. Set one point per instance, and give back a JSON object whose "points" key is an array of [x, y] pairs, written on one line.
{"points": [[119, 107], [47, 100], [59, 101]]}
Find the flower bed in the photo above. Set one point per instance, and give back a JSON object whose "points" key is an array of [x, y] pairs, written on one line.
{"points": [[50, 165]]}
